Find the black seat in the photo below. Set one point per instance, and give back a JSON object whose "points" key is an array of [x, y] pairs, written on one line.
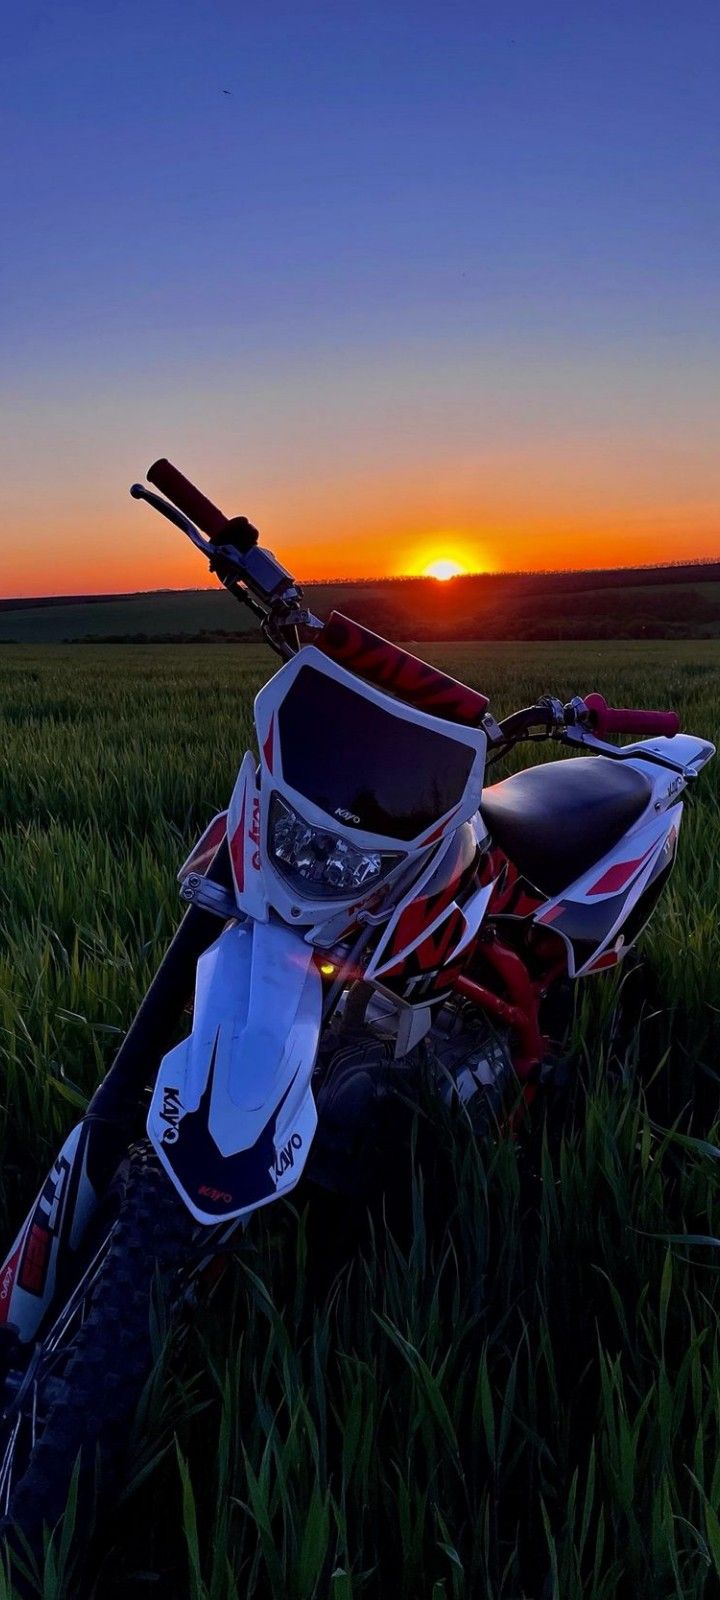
{"points": [[555, 820]]}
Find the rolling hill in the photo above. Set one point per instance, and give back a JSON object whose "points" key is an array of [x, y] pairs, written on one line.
{"points": [[645, 602]]}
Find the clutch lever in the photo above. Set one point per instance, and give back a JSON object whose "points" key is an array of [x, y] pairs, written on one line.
{"points": [[254, 577], [223, 559], [229, 564]]}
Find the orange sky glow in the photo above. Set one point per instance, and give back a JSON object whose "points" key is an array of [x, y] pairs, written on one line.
{"points": [[368, 464], [135, 550]]}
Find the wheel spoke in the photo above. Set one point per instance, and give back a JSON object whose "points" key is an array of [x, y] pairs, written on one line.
{"points": [[76, 1302], [6, 1469]]}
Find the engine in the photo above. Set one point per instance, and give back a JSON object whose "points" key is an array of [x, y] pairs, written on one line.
{"points": [[472, 1066], [366, 1098]]}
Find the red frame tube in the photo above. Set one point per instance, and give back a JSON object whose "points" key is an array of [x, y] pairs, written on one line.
{"points": [[520, 1011]]}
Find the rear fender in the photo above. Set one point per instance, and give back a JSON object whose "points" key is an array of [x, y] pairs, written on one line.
{"points": [[600, 915], [232, 1116]]}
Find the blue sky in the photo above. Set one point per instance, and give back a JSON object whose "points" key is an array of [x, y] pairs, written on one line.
{"points": [[432, 271]]}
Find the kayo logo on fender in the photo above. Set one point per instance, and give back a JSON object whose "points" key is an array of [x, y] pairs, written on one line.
{"points": [[171, 1114], [286, 1157]]}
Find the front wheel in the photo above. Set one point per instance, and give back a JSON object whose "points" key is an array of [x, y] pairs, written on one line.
{"points": [[80, 1390]]}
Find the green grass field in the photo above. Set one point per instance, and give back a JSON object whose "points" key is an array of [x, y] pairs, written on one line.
{"points": [[517, 1395]]}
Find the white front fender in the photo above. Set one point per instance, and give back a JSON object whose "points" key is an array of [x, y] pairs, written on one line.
{"points": [[232, 1116]]}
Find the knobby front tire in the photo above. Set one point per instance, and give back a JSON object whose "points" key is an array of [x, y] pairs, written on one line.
{"points": [[84, 1408]]}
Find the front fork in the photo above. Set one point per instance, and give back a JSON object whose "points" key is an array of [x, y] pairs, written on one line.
{"points": [[43, 1262]]}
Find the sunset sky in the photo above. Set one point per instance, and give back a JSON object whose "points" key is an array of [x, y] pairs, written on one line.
{"points": [[432, 280]]}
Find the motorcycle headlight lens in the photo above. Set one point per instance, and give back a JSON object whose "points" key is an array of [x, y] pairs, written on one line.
{"points": [[320, 864]]}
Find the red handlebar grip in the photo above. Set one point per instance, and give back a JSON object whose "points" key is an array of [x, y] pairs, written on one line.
{"points": [[621, 719], [187, 498]]}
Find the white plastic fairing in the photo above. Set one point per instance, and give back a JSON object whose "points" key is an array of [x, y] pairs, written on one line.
{"points": [[599, 915], [232, 1117], [55, 1224], [316, 915]]}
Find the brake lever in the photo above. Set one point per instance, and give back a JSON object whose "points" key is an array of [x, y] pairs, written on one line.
{"points": [[218, 555], [584, 739], [139, 492], [281, 610]]}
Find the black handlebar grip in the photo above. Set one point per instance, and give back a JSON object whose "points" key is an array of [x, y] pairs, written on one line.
{"points": [[187, 498]]}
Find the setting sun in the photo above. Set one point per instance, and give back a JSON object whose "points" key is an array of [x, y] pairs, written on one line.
{"points": [[443, 569]]}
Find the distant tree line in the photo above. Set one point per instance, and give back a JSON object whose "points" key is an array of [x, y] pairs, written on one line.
{"points": [[651, 613]]}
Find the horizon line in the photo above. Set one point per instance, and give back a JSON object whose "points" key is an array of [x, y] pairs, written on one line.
{"points": [[402, 577]]}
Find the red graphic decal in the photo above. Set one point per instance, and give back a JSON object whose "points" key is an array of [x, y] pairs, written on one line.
{"points": [[617, 876], [34, 1264], [269, 744], [237, 848], [512, 896], [494, 865], [456, 872], [609, 958], [202, 860], [416, 918], [404, 675], [7, 1282], [413, 921], [552, 915], [205, 848], [434, 951], [431, 837]]}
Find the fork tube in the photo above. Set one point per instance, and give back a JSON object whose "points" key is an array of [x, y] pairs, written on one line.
{"points": [[153, 1028]]}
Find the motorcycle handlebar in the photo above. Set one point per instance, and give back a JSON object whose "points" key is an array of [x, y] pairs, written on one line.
{"points": [[187, 498], [622, 719], [603, 718], [593, 713], [519, 724]]}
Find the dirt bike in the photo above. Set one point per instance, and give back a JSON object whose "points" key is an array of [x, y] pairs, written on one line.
{"points": [[364, 901]]}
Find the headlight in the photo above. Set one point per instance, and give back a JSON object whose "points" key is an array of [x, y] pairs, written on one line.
{"points": [[320, 864]]}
